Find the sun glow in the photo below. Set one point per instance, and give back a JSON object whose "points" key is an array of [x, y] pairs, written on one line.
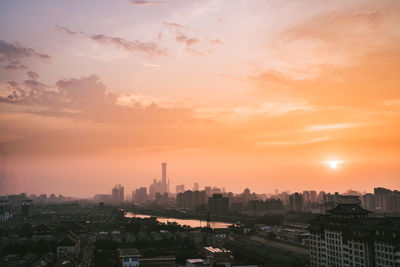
{"points": [[333, 164]]}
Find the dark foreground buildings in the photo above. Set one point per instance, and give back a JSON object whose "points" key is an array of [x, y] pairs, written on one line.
{"points": [[347, 236]]}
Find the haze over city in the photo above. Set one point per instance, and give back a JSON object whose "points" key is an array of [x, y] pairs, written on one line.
{"points": [[288, 95]]}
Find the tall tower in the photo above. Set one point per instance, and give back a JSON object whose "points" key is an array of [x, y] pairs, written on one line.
{"points": [[164, 177]]}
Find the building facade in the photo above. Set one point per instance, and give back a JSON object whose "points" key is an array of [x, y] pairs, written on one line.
{"points": [[346, 236], [217, 204], [296, 202]]}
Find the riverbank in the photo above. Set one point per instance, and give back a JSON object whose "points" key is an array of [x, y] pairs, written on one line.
{"points": [[164, 213], [180, 214], [193, 223]]}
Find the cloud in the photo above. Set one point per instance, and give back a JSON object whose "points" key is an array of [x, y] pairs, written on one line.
{"points": [[392, 102], [87, 98], [150, 49], [188, 41], [15, 66], [334, 126], [151, 65], [216, 42], [30, 92], [12, 54], [294, 143], [172, 26], [33, 75], [80, 115], [147, 3], [370, 79], [275, 108], [68, 31], [339, 25], [86, 91], [181, 36], [14, 51], [345, 56], [178, 30], [338, 37]]}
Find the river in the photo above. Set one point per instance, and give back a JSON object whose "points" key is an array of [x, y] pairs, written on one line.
{"points": [[189, 222]]}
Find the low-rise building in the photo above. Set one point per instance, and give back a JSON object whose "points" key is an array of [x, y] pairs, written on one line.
{"points": [[128, 257], [218, 256], [69, 245], [166, 261]]}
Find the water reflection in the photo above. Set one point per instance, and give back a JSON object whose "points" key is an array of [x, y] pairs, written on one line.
{"points": [[190, 222]]}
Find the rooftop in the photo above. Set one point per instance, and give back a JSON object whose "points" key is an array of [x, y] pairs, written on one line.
{"points": [[68, 241], [348, 209], [194, 261], [128, 252], [216, 250]]}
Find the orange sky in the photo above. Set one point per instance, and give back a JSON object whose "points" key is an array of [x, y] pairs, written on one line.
{"points": [[258, 94]]}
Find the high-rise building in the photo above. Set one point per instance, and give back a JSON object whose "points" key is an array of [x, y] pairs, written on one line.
{"points": [[141, 195], [117, 194], [217, 204], [208, 190], [386, 200], [321, 197], [346, 236], [191, 199], [5, 210], [368, 202], [296, 202], [306, 198], [313, 196], [162, 186], [164, 178], [27, 208]]}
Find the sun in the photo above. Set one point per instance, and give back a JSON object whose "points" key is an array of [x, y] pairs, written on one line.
{"points": [[333, 164]]}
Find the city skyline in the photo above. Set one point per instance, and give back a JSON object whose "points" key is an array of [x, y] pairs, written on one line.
{"points": [[259, 94], [162, 186]]}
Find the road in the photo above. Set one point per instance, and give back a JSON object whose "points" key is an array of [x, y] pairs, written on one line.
{"points": [[280, 245]]}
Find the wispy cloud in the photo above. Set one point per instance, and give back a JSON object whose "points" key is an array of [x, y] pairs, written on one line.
{"points": [[173, 26], [392, 102], [275, 108], [147, 3], [294, 143], [68, 31], [187, 40], [150, 49], [12, 55], [192, 44], [150, 65], [33, 75], [334, 126], [216, 42]]}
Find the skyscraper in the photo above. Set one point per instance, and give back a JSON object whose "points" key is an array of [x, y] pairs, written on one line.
{"points": [[296, 202], [160, 186], [117, 194], [141, 195], [164, 178]]}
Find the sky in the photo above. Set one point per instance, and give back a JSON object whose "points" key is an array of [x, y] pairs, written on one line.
{"points": [[288, 95]]}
